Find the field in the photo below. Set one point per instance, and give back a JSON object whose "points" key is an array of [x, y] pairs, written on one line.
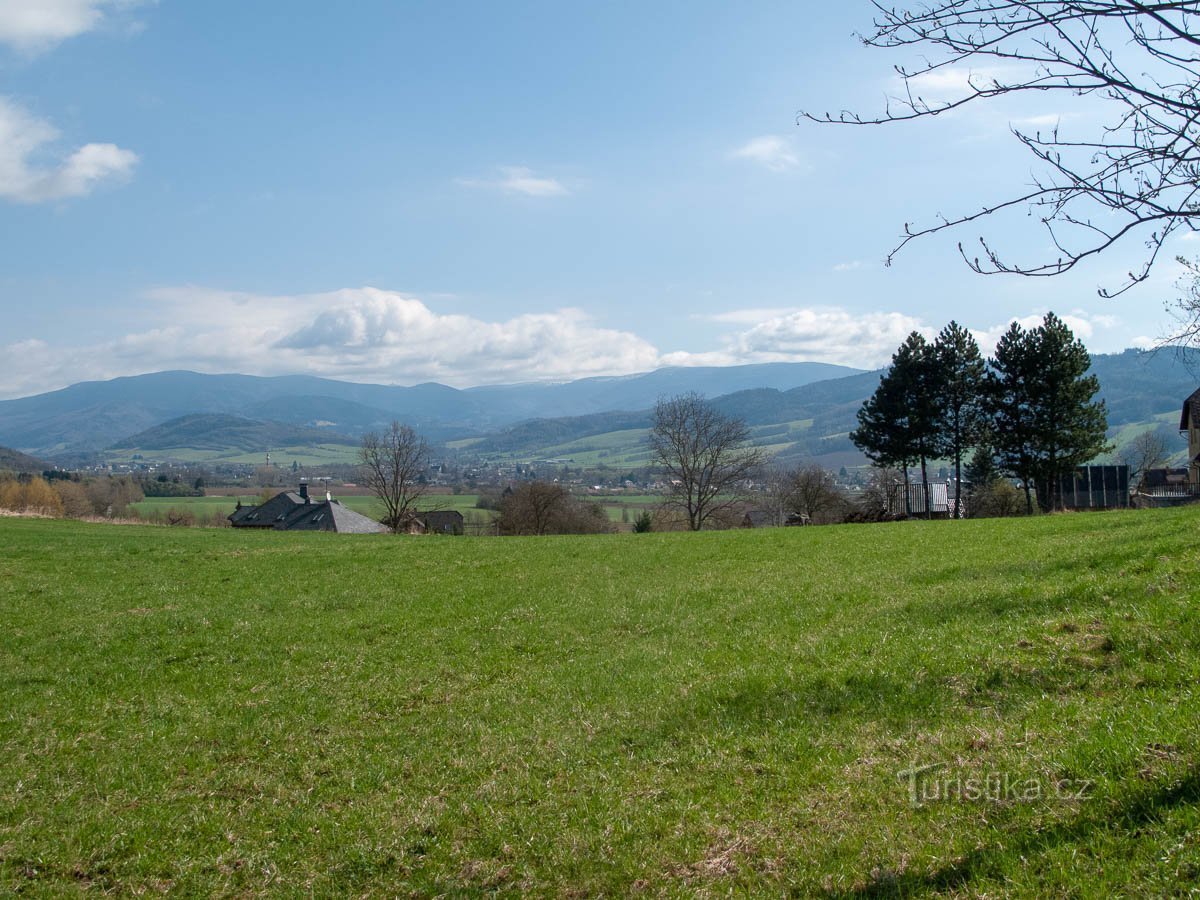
{"points": [[216, 712]]}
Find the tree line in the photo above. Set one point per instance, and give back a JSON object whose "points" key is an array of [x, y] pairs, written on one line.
{"points": [[1027, 412]]}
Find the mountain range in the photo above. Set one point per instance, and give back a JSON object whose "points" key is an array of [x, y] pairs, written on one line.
{"points": [[93, 416], [796, 409]]}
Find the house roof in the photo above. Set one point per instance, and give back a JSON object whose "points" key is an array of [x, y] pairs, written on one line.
{"points": [[1191, 411], [329, 515], [287, 511], [266, 515]]}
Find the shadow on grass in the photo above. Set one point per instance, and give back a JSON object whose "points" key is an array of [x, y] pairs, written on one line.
{"points": [[1129, 814]]}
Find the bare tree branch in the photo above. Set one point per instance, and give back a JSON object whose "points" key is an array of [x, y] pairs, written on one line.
{"points": [[393, 463], [1137, 174], [704, 455]]}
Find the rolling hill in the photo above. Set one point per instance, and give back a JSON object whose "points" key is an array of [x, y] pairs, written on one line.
{"points": [[224, 432], [1141, 391], [94, 415]]}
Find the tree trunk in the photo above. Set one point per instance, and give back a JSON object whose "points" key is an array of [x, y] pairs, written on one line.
{"points": [[957, 481], [925, 488], [907, 503]]}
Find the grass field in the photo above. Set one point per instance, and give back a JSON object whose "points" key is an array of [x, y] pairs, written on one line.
{"points": [[217, 712]]}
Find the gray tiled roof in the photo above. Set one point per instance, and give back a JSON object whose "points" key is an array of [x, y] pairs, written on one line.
{"points": [[288, 512]]}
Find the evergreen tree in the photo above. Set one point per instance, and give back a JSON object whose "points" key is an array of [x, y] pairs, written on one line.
{"points": [[915, 367], [898, 425], [1044, 419], [1010, 383], [1069, 426], [961, 373], [882, 432]]}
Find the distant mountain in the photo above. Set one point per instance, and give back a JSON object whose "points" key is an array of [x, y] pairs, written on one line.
{"points": [[813, 421], [207, 431], [93, 415], [20, 463], [816, 402]]}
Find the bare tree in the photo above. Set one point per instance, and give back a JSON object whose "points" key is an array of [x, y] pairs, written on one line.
{"points": [[393, 465], [541, 507], [704, 454], [1138, 173], [883, 495], [1149, 450], [813, 492]]}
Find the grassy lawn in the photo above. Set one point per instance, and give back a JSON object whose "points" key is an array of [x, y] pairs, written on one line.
{"points": [[231, 713]]}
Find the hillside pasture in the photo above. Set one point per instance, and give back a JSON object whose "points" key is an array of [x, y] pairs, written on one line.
{"points": [[229, 712]]}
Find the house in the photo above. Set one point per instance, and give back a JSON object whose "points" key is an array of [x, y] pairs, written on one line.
{"points": [[438, 521], [442, 521], [1189, 421], [297, 511]]}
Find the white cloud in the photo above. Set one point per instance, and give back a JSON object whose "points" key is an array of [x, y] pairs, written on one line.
{"points": [[853, 266], [25, 180], [362, 334], [33, 25], [372, 335], [519, 180], [1083, 324], [827, 334], [770, 151]]}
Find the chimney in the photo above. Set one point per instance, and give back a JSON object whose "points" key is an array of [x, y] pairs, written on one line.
{"points": [[304, 489]]}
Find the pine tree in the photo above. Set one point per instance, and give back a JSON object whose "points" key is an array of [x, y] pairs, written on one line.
{"points": [[1010, 382], [882, 432], [1044, 419], [1069, 426], [961, 372], [915, 367]]}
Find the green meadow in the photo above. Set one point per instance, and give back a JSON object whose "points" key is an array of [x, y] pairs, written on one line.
{"points": [[1002, 707]]}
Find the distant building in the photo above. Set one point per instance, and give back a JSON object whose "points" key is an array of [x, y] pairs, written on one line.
{"points": [[296, 511], [442, 521], [1189, 421]]}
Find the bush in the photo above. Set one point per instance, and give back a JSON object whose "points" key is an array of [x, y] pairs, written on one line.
{"points": [[539, 507], [31, 495]]}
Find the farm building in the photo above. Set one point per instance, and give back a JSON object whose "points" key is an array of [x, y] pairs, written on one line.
{"points": [[1189, 421], [442, 521], [296, 511]]}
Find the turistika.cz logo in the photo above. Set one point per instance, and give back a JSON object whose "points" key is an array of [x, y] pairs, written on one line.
{"points": [[933, 783]]}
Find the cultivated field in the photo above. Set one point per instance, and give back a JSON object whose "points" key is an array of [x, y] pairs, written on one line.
{"points": [[232, 713]]}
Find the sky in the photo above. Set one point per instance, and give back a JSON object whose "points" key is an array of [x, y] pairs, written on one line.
{"points": [[477, 193]]}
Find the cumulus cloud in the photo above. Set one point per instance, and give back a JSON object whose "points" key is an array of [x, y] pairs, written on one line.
{"points": [[33, 25], [827, 334], [519, 180], [1083, 324], [770, 151], [362, 334], [372, 335], [26, 180]]}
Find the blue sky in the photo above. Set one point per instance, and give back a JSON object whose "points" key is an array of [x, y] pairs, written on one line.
{"points": [[480, 193]]}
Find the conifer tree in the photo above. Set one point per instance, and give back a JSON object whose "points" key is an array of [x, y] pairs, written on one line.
{"points": [[960, 378], [1069, 426], [1010, 384], [915, 367]]}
